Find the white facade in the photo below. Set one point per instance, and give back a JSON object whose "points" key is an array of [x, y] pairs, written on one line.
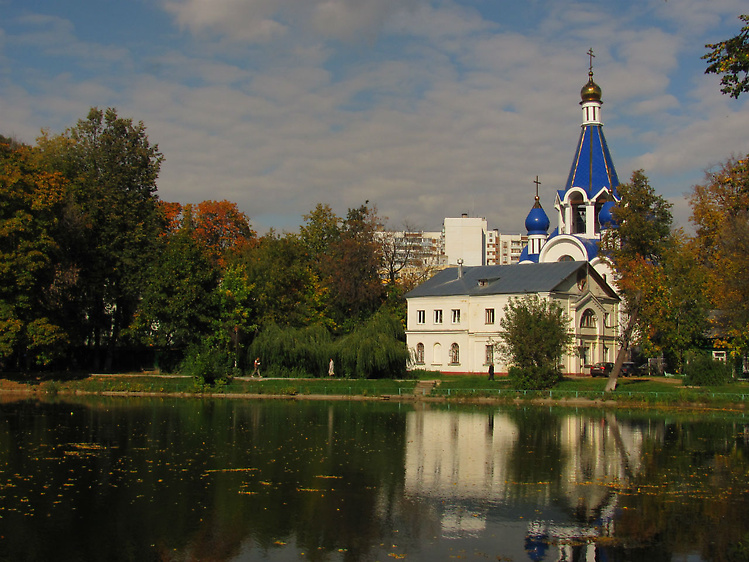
{"points": [[458, 332], [465, 239]]}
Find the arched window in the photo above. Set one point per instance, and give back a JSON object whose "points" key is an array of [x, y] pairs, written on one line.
{"points": [[565, 257], [437, 354], [578, 214], [419, 353], [588, 319], [454, 354]]}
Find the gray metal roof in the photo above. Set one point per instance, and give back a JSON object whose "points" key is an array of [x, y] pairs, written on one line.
{"points": [[498, 279]]}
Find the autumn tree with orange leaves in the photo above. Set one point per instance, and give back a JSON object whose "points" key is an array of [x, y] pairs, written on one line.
{"points": [[635, 247], [31, 200], [720, 213]]}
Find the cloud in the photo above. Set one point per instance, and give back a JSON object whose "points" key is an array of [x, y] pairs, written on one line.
{"points": [[261, 21]]}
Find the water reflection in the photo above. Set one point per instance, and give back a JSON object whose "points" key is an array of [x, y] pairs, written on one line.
{"points": [[114, 479]]}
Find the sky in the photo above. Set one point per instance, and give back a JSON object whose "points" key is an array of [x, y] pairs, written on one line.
{"points": [[425, 108]]}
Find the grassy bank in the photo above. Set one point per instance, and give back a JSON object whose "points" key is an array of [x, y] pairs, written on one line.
{"points": [[646, 390]]}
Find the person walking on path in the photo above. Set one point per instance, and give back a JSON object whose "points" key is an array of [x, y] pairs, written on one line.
{"points": [[331, 369], [256, 372], [491, 371]]}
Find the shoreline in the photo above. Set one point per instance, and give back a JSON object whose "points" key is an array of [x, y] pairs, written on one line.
{"points": [[8, 395]]}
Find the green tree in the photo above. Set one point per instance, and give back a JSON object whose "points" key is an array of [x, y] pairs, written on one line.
{"points": [[179, 300], [533, 337], [674, 309], [730, 59], [351, 269], [30, 201], [635, 247], [287, 289], [236, 318], [113, 169]]}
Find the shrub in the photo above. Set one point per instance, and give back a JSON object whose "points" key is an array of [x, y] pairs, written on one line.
{"points": [[703, 370], [208, 365], [534, 378]]}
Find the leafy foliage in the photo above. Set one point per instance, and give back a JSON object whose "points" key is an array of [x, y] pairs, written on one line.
{"points": [[703, 370], [208, 365], [720, 212], [285, 350], [112, 169], [30, 200], [637, 250], [178, 302], [375, 349], [534, 378], [730, 59], [533, 338]]}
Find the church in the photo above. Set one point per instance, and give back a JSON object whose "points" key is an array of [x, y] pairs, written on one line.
{"points": [[453, 318]]}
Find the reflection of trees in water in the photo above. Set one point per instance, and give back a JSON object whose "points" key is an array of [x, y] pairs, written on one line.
{"points": [[535, 462], [691, 492], [204, 480]]}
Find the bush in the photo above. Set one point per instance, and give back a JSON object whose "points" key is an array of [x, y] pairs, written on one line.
{"points": [[703, 370], [208, 365], [534, 378]]}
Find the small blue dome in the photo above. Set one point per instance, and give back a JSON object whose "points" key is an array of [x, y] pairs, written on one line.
{"points": [[537, 222], [605, 216]]}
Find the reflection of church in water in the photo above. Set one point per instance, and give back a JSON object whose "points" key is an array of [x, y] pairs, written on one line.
{"points": [[546, 496]]}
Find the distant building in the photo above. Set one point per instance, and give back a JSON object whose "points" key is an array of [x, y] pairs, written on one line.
{"points": [[465, 239]]}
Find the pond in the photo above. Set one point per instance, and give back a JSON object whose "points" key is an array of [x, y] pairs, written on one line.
{"points": [[191, 479]]}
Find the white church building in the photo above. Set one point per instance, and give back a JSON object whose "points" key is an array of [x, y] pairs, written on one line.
{"points": [[453, 318]]}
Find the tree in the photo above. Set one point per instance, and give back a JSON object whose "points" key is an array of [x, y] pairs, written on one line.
{"points": [[720, 212], [399, 250], [179, 303], [31, 200], [533, 338], [321, 230], [635, 247], [222, 228], [287, 290], [236, 317], [112, 168], [730, 59], [351, 269]]}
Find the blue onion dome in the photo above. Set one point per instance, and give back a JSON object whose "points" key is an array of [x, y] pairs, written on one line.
{"points": [[591, 91], [537, 222], [605, 215]]}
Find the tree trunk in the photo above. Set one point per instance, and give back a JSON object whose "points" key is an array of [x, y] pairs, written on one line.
{"points": [[626, 337]]}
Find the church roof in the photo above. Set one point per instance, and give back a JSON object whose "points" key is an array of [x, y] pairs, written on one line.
{"points": [[592, 168], [498, 279]]}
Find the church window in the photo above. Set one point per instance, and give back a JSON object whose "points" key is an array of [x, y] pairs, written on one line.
{"points": [[454, 354], [421, 316], [489, 354], [456, 315], [566, 258], [588, 319], [489, 316], [419, 354], [438, 317]]}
